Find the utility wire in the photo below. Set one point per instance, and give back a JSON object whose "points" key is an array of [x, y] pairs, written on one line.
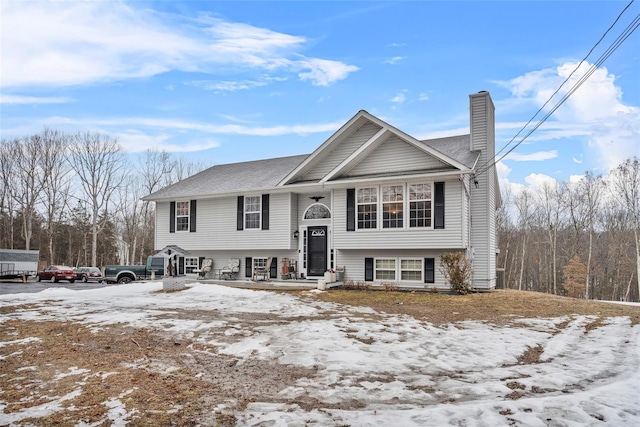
{"points": [[626, 33]]}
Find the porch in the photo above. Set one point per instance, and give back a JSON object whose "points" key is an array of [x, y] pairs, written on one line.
{"points": [[273, 284]]}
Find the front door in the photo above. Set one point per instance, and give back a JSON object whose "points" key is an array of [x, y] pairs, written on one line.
{"points": [[316, 251]]}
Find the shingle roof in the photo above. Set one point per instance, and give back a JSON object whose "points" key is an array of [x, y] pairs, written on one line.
{"points": [[266, 174], [232, 177], [456, 147]]}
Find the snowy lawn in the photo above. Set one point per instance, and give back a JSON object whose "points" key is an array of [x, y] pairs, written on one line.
{"points": [[213, 355]]}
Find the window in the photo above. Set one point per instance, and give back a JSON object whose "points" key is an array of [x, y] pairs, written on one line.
{"points": [[182, 216], [259, 262], [385, 269], [420, 205], [411, 270], [190, 264], [252, 212], [367, 201], [317, 211], [392, 206]]}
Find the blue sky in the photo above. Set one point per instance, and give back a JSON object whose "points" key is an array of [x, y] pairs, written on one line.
{"points": [[222, 82]]}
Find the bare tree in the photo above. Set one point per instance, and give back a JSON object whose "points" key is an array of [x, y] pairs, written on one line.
{"points": [[549, 199], [625, 185], [26, 185], [523, 204], [100, 165], [7, 203], [56, 183]]}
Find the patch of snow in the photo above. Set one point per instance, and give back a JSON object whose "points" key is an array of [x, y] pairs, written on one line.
{"points": [[399, 370]]}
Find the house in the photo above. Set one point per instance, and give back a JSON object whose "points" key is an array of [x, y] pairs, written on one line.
{"points": [[371, 199]]}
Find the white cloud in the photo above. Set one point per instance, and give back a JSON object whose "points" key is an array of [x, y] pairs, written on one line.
{"points": [[113, 126], [323, 72], [136, 142], [537, 181], [18, 99], [86, 42], [394, 60], [538, 156], [423, 97], [400, 97], [226, 86], [594, 112]]}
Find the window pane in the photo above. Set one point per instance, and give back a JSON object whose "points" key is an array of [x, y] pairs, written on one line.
{"points": [[317, 212], [392, 206], [392, 215], [182, 216], [252, 212], [367, 208], [385, 269], [411, 269], [419, 191], [367, 195], [412, 275], [393, 193], [190, 263], [367, 217], [420, 214], [182, 223]]}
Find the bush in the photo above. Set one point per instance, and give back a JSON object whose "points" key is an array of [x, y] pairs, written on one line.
{"points": [[456, 268]]}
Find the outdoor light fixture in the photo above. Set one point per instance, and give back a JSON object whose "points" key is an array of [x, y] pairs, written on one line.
{"points": [[296, 234]]}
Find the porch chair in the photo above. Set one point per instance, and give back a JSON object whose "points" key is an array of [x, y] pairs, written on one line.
{"points": [[205, 268], [262, 271], [230, 270]]}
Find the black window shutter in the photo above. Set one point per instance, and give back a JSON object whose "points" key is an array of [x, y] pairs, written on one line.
{"points": [[429, 270], [368, 269], [438, 220], [351, 209], [172, 217], [200, 259], [265, 211], [273, 270], [180, 265], [192, 217], [248, 267], [240, 220]]}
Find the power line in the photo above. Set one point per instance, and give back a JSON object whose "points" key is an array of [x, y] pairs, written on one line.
{"points": [[612, 48]]}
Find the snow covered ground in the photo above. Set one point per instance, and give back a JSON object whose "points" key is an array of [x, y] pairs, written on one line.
{"points": [[406, 372]]}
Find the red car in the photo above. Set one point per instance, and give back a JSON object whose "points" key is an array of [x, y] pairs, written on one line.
{"points": [[89, 274], [54, 273]]}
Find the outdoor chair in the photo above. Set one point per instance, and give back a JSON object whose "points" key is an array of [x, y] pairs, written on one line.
{"points": [[263, 272], [207, 265], [230, 270]]}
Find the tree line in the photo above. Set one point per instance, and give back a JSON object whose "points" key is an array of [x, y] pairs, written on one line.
{"points": [[76, 197], [580, 239]]}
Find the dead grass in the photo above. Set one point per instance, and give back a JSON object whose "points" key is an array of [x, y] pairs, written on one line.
{"points": [[162, 381], [498, 307]]}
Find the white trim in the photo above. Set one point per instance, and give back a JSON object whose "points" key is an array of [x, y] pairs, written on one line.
{"points": [[259, 212], [188, 216]]}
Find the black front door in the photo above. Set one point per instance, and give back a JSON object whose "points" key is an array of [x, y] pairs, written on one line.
{"points": [[316, 251]]}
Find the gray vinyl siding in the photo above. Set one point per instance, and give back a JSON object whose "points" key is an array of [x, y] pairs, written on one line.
{"points": [[410, 238], [216, 227], [396, 155], [342, 151], [483, 202], [353, 263]]}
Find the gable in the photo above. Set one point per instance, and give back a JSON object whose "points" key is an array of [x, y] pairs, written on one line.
{"points": [[366, 145], [333, 157], [395, 155]]}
